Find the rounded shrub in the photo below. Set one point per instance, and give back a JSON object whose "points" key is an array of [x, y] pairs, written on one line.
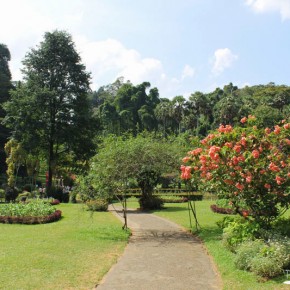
{"points": [[265, 267], [152, 202], [97, 205], [246, 252]]}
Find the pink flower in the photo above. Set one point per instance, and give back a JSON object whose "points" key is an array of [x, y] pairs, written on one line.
{"points": [[274, 167], [255, 154], [243, 141], [185, 159], [244, 120], [287, 126], [245, 213], [279, 180], [195, 151], [229, 144], [228, 181], [239, 186], [249, 179], [267, 130], [238, 148], [277, 130], [267, 185], [185, 172], [225, 129]]}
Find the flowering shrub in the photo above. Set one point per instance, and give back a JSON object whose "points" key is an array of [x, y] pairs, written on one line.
{"points": [[245, 164]]}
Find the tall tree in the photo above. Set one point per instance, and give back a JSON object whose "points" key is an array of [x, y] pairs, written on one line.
{"points": [[51, 111], [5, 87]]}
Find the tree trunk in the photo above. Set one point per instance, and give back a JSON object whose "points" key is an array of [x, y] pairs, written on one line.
{"points": [[50, 169]]}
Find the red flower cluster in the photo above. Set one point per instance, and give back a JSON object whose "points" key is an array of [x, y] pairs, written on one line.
{"points": [[244, 163]]}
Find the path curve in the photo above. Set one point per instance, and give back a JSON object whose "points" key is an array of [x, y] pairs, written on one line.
{"points": [[161, 255]]}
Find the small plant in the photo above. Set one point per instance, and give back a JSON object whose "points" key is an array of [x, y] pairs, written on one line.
{"points": [[97, 205], [223, 223], [246, 252], [238, 231]]}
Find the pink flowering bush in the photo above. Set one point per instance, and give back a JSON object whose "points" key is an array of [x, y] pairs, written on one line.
{"points": [[245, 164]]}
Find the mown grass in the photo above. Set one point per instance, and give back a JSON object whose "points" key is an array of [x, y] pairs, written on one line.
{"points": [[211, 235], [73, 253]]}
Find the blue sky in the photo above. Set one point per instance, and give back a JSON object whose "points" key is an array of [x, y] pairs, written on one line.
{"points": [[179, 46]]}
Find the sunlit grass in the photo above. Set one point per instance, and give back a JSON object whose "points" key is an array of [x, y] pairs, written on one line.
{"points": [[73, 253]]}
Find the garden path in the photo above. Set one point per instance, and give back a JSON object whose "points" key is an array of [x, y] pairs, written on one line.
{"points": [[161, 255]]}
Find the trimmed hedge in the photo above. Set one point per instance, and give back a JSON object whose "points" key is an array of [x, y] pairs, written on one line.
{"points": [[223, 210], [29, 220]]}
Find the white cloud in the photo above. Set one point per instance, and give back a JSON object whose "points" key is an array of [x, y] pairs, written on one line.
{"points": [[188, 71], [262, 6], [223, 58], [111, 59]]}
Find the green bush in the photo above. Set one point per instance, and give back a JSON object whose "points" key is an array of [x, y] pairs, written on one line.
{"points": [[246, 252], [2, 193], [265, 267], [153, 202], [238, 231], [224, 222], [265, 259], [282, 226], [97, 205]]}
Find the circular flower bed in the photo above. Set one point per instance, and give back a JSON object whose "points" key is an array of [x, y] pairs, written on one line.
{"points": [[33, 212]]}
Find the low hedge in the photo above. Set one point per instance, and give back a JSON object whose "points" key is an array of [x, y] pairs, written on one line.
{"points": [[224, 210], [31, 219]]}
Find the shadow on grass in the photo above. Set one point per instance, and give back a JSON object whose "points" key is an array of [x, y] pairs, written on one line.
{"points": [[208, 234], [172, 209]]}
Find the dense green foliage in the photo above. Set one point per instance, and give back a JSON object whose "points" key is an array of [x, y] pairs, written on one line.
{"points": [[50, 111], [5, 87], [123, 107], [139, 160]]}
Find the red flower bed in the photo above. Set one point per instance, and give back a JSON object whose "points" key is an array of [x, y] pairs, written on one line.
{"points": [[31, 219], [223, 210]]}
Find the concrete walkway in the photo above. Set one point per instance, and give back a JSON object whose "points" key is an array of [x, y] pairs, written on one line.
{"points": [[161, 255]]}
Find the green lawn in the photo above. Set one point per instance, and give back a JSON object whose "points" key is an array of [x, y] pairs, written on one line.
{"points": [[73, 253], [211, 235]]}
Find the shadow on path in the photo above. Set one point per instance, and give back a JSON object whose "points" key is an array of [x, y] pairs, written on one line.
{"points": [[161, 255]]}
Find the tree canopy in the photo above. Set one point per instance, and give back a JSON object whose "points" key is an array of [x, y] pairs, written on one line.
{"points": [[140, 159], [50, 111], [5, 87]]}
